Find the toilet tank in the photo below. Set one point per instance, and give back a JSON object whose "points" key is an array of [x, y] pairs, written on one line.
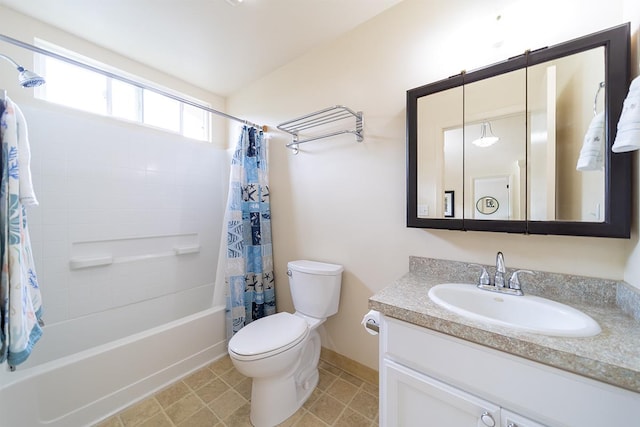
{"points": [[315, 287]]}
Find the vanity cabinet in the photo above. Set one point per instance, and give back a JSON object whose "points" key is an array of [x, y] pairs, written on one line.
{"points": [[417, 400], [432, 379]]}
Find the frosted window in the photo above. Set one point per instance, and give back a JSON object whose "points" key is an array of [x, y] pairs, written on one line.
{"points": [[75, 87], [125, 101], [161, 111], [195, 123]]}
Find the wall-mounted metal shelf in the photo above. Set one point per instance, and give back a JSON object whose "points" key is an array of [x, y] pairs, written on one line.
{"points": [[322, 118]]}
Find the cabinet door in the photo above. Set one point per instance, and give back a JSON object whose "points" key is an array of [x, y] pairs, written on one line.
{"points": [[510, 419], [410, 399]]}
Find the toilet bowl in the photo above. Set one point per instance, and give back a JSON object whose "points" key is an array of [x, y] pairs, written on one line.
{"points": [[281, 352]]}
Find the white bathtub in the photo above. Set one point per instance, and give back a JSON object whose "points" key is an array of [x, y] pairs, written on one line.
{"points": [[72, 379]]}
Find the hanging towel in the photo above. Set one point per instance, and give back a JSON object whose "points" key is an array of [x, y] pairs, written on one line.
{"points": [[592, 152], [21, 303], [27, 195], [628, 135]]}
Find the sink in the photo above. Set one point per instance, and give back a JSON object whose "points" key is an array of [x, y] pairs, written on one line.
{"points": [[526, 313]]}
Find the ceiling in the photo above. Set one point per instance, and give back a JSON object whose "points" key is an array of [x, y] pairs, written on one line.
{"points": [[211, 44]]}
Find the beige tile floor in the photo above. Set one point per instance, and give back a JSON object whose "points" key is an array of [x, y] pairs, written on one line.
{"points": [[219, 396]]}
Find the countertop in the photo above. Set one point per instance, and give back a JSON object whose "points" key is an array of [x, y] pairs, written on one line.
{"points": [[613, 356]]}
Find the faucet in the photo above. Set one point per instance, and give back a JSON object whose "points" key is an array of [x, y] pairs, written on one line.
{"points": [[500, 271], [500, 284]]}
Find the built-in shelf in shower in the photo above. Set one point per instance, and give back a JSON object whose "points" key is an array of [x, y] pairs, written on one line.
{"points": [[97, 253]]}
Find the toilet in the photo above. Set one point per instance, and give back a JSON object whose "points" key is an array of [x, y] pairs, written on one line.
{"points": [[281, 352]]}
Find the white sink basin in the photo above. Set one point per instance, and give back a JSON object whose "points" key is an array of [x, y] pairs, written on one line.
{"points": [[526, 313]]}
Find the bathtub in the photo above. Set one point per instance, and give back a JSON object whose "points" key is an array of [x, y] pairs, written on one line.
{"points": [[89, 368]]}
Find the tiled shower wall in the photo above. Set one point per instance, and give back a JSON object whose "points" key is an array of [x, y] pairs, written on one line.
{"points": [[100, 180]]}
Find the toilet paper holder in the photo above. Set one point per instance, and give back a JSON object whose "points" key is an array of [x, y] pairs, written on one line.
{"points": [[370, 324]]}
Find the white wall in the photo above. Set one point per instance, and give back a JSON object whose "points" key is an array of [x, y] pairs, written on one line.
{"points": [[632, 270], [99, 179], [344, 202]]}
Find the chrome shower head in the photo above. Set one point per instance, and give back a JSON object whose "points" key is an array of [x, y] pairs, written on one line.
{"points": [[26, 78], [29, 79]]}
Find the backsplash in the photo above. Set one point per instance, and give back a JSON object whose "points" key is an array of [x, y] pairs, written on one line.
{"points": [[565, 288], [628, 299]]}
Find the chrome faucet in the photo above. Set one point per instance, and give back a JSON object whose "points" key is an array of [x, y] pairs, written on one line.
{"points": [[499, 280], [500, 284]]}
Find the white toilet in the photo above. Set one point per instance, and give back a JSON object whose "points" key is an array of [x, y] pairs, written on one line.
{"points": [[281, 352]]}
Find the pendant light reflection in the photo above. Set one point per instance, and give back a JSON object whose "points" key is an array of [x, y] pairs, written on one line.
{"points": [[487, 138]]}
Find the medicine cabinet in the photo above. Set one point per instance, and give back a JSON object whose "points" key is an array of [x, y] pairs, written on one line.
{"points": [[498, 148]]}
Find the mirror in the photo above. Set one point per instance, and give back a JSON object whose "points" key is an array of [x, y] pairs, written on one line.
{"points": [[565, 97], [495, 146], [524, 145], [440, 154]]}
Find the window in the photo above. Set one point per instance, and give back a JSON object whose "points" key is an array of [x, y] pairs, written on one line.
{"points": [[75, 87], [160, 111], [87, 90], [125, 101]]}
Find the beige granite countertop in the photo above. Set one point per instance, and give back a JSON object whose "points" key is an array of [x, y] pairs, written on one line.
{"points": [[613, 356]]}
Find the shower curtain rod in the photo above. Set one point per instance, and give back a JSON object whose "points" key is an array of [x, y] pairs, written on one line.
{"points": [[125, 80]]}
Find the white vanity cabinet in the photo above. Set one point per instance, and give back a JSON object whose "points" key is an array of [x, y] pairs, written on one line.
{"points": [[413, 399], [433, 379], [416, 400]]}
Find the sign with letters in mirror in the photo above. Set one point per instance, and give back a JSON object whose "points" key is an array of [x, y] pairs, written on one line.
{"points": [[487, 205], [542, 123]]}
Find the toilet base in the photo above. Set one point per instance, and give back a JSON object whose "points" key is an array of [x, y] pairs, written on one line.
{"points": [[273, 400]]}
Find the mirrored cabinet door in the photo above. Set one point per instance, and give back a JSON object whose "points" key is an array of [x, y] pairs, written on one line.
{"points": [[495, 147], [567, 138], [440, 144]]}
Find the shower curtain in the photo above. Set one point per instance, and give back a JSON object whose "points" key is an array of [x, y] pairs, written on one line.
{"points": [[250, 286], [20, 300]]}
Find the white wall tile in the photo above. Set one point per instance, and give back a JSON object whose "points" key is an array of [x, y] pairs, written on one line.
{"points": [[100, 180]]}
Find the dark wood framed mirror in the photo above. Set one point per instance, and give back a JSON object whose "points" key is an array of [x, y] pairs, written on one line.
{"points": [[504, 148]]}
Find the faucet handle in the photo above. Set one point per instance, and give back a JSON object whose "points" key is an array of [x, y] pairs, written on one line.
{"points": [[514, 282], [484, 276]]}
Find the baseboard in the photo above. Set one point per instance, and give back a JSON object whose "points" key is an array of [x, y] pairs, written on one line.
{"points": [[349, 365]]}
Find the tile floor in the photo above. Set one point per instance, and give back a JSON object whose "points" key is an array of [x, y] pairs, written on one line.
{"points": [[219, 396]]}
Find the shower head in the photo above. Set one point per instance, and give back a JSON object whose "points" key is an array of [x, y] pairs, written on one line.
{"points": [[29, 79], [26, 78]]}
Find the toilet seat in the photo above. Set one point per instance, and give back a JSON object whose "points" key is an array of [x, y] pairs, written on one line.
{"points": [[268, 336]]}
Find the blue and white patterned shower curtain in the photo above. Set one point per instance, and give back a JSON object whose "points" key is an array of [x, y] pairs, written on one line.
{"points": [[249, 267]]}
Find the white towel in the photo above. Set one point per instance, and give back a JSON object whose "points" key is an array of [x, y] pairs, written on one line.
{"points": [[27, 195], [20, 298], [628, 135], [592, 152]]}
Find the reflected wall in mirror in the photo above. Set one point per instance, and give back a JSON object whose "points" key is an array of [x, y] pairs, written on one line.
{"points": [[440, 153], [525, 144]]}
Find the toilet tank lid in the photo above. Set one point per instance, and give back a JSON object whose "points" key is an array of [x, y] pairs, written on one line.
{"points": [[315, 267]]}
